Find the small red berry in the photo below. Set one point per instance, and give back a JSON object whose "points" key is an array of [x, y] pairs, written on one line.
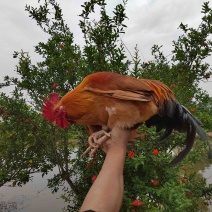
{"points": [[192, 111], [94, 178], [137, 203], [131, 154], [155, 182], [155, 152], [184, 180]]}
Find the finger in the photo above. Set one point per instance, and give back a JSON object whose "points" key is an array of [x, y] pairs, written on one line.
{"points": [[92, 152], [86, 151], [92, 141], [101, 140]]}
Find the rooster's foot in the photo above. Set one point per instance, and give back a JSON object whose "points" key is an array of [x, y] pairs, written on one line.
{"points": [[95, 140]]}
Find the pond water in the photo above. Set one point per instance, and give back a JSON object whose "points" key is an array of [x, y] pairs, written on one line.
{"points": [[207, 173], [32, 197], [35, 196]]}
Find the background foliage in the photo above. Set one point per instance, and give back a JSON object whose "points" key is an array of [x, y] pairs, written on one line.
{"points": [[29, 144]]}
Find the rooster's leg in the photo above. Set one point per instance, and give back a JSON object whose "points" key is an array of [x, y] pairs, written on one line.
{"points": [[95, 140]]}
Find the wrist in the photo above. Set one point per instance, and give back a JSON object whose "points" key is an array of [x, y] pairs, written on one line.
{"points": [[117, 149]]}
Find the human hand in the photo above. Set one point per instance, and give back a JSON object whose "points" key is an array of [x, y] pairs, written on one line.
{"points": [[119, 138]]}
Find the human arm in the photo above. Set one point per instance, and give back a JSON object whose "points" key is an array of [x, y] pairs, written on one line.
{"points": [[106, 193]]}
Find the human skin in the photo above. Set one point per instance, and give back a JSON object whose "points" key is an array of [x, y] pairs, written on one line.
{"points": [[106, 193]]}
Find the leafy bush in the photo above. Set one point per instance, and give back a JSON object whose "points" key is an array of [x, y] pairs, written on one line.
{"points": [[30, 144]]}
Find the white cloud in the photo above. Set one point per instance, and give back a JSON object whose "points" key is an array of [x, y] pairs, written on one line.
{"points": [[156, 22], [150, 22]]}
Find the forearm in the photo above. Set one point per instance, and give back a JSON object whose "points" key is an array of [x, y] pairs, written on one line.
{"points": [[114, 161], [107, 191]]}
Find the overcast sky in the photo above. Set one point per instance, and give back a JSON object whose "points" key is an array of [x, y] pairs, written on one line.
{"points": [[150, 22]]}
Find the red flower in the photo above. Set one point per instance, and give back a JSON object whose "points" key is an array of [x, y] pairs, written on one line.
{"points": [[94, 178], [155, 182], [192, 111], [131, 154], [137, 203], [184, 180], [155, 152], [88, 164]]}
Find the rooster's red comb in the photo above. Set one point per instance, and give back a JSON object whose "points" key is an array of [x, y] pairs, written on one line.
{"points": [[48, 106]]}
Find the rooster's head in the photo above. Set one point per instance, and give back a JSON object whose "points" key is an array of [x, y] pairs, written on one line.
{"points": [[54, 112]]}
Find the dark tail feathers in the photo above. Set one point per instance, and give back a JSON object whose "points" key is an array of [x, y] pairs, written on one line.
{"points": [[174, 116]]}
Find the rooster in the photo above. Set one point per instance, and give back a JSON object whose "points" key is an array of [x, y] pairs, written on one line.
{"points": [[104, 100]]}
